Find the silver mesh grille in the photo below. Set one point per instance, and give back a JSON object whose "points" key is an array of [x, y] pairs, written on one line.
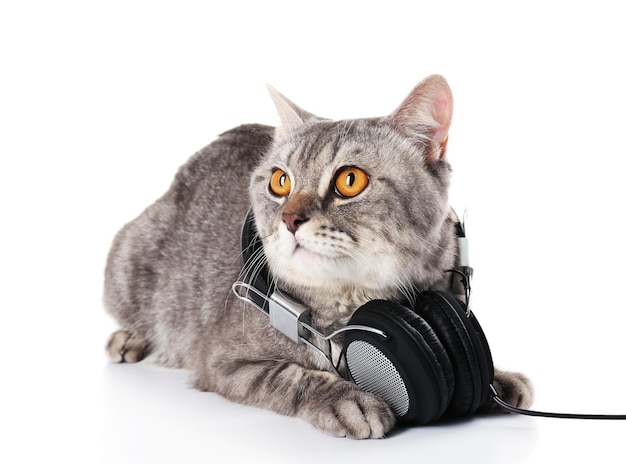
{"points": [[373, 372]]}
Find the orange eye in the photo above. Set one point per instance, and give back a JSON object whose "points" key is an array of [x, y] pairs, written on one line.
{"points": [[280, 184], [351, 181]]}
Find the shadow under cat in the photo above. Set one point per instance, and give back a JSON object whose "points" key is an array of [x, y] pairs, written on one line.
{"points": [[152, 417]]}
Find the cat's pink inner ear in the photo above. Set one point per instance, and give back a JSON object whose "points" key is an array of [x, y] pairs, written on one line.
{"points": [[426, 115], [443, 116]]}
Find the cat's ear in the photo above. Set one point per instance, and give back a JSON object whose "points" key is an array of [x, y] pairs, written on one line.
{"points": [[425, 115], [291, 115]]}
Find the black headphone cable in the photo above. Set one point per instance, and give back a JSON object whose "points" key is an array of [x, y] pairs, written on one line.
{"points": [[527, 412]]}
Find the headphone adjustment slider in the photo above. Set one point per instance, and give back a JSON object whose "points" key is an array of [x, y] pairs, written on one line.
{"points": [[286, 315]]}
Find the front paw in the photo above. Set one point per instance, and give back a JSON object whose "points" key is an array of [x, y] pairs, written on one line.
{"points": [[513, 388], [349, 412]]}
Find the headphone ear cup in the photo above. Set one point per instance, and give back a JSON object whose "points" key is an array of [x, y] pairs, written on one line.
{"points": [[409, 368], [467, 347]]}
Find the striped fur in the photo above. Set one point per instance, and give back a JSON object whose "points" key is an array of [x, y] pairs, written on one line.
{"points": [[169, 271]]}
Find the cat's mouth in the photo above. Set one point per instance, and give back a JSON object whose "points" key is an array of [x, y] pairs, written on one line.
{"points": [[303, 250], [308, 252]]}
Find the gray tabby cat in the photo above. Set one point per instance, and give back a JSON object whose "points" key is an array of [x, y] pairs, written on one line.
{"points": [[348, 211]]}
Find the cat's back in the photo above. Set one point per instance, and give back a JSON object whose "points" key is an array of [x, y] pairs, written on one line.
{"points": [[231, 157], [190, 234], [213, 180], [208, 198]]}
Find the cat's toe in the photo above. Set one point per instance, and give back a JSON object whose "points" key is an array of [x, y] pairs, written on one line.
{"points": [[356, 415], [514, 388], [124, 347]]}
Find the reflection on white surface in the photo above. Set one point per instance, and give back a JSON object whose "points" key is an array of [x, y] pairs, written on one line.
{"points": [[153, 416]]}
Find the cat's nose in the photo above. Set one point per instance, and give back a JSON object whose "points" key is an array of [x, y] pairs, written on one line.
{"points": [[293, 221]]}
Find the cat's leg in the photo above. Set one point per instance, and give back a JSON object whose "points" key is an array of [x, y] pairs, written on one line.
{"points": [[323, 399], [514, 388], [126, 347]]}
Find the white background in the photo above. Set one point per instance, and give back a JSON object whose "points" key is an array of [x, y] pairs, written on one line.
{"points": [[100, 102]]}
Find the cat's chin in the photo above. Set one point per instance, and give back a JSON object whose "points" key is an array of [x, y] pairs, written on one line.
{"points": [[313, 263], [307, 268], [303, 253], [304, 266]]}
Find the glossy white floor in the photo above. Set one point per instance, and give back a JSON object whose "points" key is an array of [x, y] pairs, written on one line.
{"points": [[101, 104], [150, 416]]}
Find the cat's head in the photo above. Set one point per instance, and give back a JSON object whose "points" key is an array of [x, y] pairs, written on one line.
{"points": [[357, 207]]}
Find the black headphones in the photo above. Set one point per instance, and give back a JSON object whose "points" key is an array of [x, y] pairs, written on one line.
{"points": [[434, 361], [428, 360]]}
